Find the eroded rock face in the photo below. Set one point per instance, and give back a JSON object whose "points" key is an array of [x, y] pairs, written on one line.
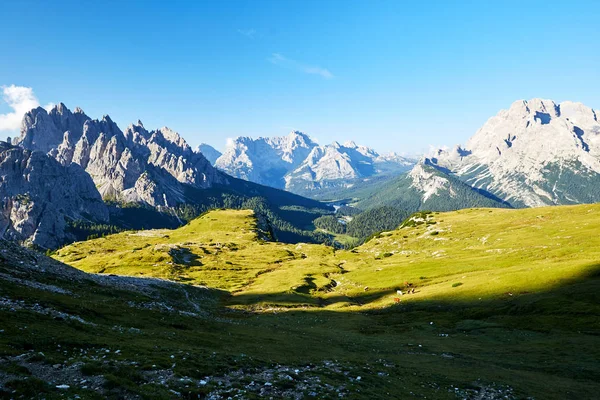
{"points": [[44, 131], [535, 153], [135, 165], [39, 195]]}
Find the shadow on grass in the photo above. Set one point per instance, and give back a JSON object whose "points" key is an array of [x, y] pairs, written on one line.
{"points": [[572, 304]]}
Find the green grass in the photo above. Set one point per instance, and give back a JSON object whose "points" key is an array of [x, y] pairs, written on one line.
{"points": [[491, 251], [502, 297]]}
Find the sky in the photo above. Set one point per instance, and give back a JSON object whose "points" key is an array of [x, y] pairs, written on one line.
{"points": [[396, 75]]}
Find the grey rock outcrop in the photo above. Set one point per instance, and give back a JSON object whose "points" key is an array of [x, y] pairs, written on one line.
{"points": [[39, 196]]}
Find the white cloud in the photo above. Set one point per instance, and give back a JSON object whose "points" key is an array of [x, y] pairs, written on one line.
{"points": [[285, 62], [21, 99], [249, 33]]}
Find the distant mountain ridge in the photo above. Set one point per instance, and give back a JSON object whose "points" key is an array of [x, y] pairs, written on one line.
{"points": [[297, 163], [209, 152]]}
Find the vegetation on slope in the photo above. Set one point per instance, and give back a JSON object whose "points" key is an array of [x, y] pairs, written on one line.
{"points": [[375, 220], [361, 226], [456, 195], [288, 217]]}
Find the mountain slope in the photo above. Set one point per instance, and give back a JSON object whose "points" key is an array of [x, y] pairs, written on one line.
{"points": [[298, 164], [209, 152], [535, 153], [425, 187], [134, 166]]}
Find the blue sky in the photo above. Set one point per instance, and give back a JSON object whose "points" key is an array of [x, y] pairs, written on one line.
{"points": [[394, 75]]}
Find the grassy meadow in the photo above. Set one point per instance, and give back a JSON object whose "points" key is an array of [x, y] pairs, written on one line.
{"points": [[504, 300]]}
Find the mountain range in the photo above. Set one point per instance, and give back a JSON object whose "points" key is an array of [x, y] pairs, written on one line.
{"points": [[136, 165], [297, 163], [68, 170], [536, 153]]}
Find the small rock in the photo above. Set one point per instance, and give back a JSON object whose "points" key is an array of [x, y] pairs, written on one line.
{"points": [[63, 387]]}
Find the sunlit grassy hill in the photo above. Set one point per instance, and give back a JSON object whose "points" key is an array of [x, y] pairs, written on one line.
{"points": [[506, 304], [222, 249], [480, 253], [463, 255]]}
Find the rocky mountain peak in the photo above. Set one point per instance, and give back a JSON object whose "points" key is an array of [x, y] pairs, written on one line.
{"points": [[524, 153], [160, 160], [172, 137], [209, 152], [300, 136]]}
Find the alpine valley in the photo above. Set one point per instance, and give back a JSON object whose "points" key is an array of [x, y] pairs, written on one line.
{"points": [[535, 153], [284, 237], [68, 177], [165, 277]]}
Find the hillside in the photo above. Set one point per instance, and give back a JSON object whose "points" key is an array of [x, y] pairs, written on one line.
{"points": [[426, 187], [221, 249], [498, 294]]}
